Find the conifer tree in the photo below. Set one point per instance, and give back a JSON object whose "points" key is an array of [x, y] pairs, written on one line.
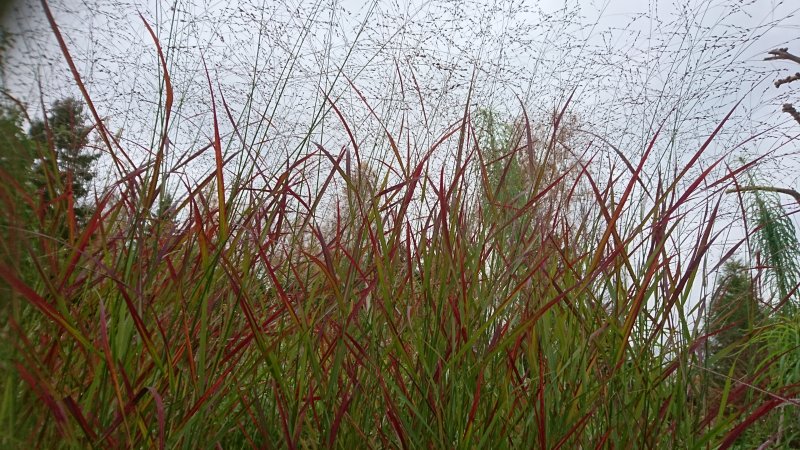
{"points": [[734, 313], [64, 135]]}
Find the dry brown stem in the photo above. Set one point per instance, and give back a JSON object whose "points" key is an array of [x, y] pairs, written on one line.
{"points": [[789, 109], [792, 192], [787, 80], [782, 53]]}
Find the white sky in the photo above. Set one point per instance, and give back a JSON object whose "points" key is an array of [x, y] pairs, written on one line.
{"points": [[631, 63]]}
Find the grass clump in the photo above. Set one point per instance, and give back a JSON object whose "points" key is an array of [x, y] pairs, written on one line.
{"points": [[520, 295]]}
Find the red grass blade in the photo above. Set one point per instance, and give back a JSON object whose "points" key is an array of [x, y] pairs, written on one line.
{"points": [[151, 191]]}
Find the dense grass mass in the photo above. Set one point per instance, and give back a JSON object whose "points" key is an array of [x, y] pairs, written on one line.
{"points": [[519, 295]]}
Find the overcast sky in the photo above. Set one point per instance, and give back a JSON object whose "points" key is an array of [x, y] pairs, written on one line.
{"points": [[630, 62], [110, 44]]}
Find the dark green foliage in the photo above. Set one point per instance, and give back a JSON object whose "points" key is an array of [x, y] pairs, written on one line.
{"points": [[17, 223], [65, 133], [777, 245], [166, 202], [18, 175], [17, 152], [17, 195], [734, 313], [503, 167]]}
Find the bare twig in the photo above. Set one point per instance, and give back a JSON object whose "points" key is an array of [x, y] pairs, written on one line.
{"points": [[789, 109], [787, 80], [792, 192], [768, 443], [782, 53]]}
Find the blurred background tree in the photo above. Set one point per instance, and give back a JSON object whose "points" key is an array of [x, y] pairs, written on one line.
{"points": [[733, 314], [17, 186], [65, 133]]}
